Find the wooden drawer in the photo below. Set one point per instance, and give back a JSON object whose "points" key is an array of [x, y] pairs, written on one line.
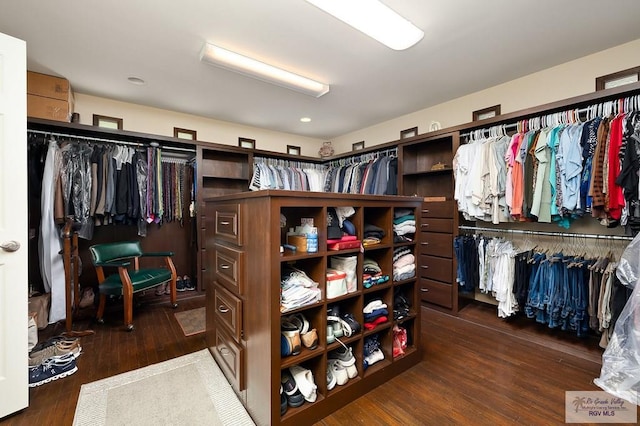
{"points": [[436, 244], [437, 225], [228, 265], [228, 310], [227, 223], [442, 209], [436, 292], [437, 268], [230, 357]]}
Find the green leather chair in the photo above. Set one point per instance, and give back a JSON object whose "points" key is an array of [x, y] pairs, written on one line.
{"points": [[129, 278]]}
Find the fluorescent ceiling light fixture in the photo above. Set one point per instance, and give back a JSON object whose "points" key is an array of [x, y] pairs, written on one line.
{"points": [[229, 60], [306, 119], [375, 20]]}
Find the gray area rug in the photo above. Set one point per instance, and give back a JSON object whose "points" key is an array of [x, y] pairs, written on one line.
{"points": [[189, 390]]}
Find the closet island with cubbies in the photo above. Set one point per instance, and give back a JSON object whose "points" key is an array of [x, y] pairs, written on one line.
{"points": [[357, 306]]}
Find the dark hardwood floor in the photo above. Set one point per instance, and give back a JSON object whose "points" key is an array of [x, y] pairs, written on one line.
{"points": [[476, 369]]}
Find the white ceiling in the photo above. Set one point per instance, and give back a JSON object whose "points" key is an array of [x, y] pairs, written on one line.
{"points": [[468, 45]]}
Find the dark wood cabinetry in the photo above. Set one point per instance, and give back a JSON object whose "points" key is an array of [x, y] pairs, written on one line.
{"points": [[244, 236], [427, 172]]}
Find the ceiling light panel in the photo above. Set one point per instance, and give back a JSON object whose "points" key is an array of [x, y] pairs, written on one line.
{"points": [[223, 58], [375, 20]]}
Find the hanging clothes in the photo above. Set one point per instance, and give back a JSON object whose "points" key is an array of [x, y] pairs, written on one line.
{"points": [[49, 241]]}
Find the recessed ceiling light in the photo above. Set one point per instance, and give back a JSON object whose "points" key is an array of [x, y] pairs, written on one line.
{"points": [[305, 119], [136, 80], [375, 20]]}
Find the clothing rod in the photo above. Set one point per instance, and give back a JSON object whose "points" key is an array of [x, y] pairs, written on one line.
{"points": [[90, 138], [546, 233], [579, 111], [506, 126]]}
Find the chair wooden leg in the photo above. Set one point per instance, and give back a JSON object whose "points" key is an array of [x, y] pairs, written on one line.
{"points": [[172, 283], [174, 296], [127, 296], [103, 302]]}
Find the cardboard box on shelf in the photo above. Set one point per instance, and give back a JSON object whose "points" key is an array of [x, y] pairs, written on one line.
{"points": [[48, 108], [48, 86]]}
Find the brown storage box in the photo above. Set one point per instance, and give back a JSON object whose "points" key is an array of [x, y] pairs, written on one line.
{"points": [[48, 108], [48, 86], [299, 241]]}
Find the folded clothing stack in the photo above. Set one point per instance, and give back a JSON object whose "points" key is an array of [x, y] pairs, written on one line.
{"points": [[297, 289], [404, 225], [372, 274], [375, 312], [372, 235], [404, 264]]}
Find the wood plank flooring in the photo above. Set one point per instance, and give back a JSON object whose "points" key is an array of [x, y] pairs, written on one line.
{"points": [[471, 373]]}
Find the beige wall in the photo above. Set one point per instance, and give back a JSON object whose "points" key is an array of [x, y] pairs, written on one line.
{"points": [[560, 82], [553, 84], [156, 121]]}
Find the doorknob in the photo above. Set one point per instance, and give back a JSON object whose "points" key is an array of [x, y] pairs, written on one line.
{"points": [[10, 246]]}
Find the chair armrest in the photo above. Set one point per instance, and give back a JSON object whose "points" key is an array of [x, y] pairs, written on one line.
{"points": [[114, 263], [158, 254]]}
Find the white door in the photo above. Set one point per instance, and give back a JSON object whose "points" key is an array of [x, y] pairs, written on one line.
{"points": [[14, 380]]}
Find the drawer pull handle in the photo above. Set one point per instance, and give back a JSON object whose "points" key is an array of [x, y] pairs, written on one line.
{"points": [[224, 266], [425, 243], [224, 222], [425, 224], [424, 290], [425, 211], [425, 266], [223, 309], [223, 351]]}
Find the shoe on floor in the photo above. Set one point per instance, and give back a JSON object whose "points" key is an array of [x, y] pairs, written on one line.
{"points": [[180, 285], [52, 369], [58, 349], [188, 285], [87, 299], [160, 289]]}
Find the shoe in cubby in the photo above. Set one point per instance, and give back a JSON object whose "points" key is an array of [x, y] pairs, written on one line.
{"points": [[336, 374], [290, 343], [305, 382], [333, 321], [345, 358], [401, 305], [308, 334], [290, 387], [372, 351]]}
